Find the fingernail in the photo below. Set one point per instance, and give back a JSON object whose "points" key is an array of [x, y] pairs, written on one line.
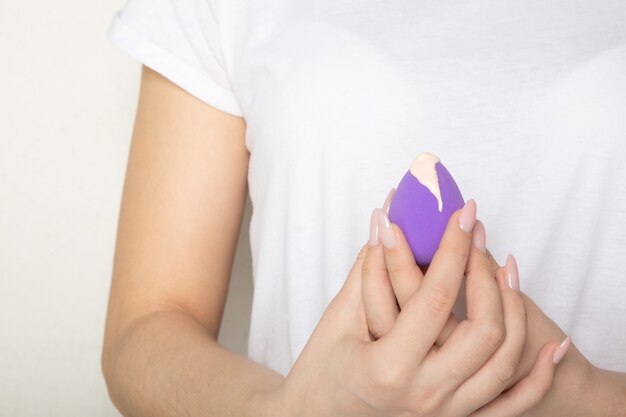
{"points": [[373, 240], [479, 236], [512, 272], [559, 353], [468, 215], [385, 231], [388, 200]]}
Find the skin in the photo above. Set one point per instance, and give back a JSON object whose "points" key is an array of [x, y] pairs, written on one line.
{"points": [[579, 388], [183, 199], [391, 272], [182, 204], [401, 374]]}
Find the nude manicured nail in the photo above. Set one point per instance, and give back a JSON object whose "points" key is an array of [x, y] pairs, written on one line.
{"points": [[559, 353], [479, 236], [512, 272], [373, 240], [385, 231], [468, 215], [388, 200]]}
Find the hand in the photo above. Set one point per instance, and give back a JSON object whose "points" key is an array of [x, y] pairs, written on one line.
{"points": [[391, 276], [578, 389], [343, 371]]}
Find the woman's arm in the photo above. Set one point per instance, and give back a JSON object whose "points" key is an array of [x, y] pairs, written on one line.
{"points": [[579, 388], [182, 204], [181, 213]]}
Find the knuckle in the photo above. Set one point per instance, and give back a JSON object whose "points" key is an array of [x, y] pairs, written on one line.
{"points": [[370, 269], [394, 267], [375, 333], [457, 375], [457, 250], [441, 298], [387, 377], [522, 315], [377, 329], [492, 335], [428, 402], [505, 372], [367, 268]]}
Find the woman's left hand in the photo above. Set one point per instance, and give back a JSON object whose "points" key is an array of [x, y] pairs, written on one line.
{"points": [[578, 388]]}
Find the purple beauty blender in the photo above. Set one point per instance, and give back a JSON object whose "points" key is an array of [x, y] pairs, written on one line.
{"points": [[423, 203]]}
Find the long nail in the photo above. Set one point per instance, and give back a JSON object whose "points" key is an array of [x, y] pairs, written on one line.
{"points": [[387, 202], [468, 215], [512, 272], [373, 240], [386, 232], [479, 236], [559, 353]]}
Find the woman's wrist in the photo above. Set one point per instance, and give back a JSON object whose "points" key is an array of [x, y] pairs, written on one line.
{"points": [[272, 403], [579, 389]]}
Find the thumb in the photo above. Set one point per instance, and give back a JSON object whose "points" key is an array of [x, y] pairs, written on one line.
{"points": [[348, 302], [404, 274]]}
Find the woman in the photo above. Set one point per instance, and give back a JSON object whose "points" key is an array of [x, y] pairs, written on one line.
{"points": [[316, 109]]}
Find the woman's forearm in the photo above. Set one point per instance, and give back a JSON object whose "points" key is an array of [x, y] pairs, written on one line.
{"points": [[602, 393], [167, 364], [613, 386], [593, 392]]}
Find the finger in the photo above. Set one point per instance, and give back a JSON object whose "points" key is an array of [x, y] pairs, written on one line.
{"points": [[453, 322], [493, 264], [352, 283], [447, 330], [428, 309], [403, 288], [379, 300], [346, 307], [474, 340], [404, 273], [482, 292], [406, 277], [497, 374], [528, 391]]}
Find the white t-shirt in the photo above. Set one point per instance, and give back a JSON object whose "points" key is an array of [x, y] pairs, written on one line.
{"points": [[523, 101]]}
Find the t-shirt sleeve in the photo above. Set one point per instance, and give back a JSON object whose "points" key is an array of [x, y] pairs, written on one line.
{"points": [[180, 40]]}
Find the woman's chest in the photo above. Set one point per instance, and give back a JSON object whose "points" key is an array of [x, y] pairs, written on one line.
{"points": [[414, 74]]}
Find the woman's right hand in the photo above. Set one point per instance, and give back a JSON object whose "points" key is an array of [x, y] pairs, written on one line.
{"points": [[343, 371]]}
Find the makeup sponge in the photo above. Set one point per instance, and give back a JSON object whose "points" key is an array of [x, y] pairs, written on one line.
{"points": [[422, 204]]}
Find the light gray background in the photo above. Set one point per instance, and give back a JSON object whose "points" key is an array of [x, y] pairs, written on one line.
{"points": [[67, 104]]}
